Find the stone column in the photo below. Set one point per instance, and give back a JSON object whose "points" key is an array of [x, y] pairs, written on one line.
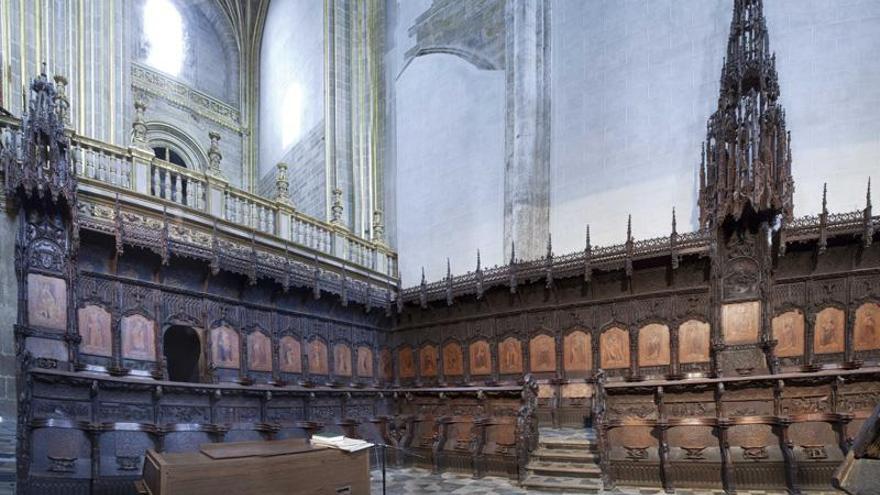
{"points": [[527, 139]]}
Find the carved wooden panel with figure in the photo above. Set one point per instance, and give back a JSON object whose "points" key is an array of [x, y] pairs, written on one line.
{"points": [[577, 355], [364, 362], [788, 331], [828, 333], [47, 302], [693, 342], [480, 358], [259, 352], [318, 361], [542, 353], [741, 322], [654, 345], [138, 338], [452, 359], [614, 348], [406, 362], [290, 355], [867, 330], [341, 360], [510, 356], [428, 361], [224, 347], [94, 328], [387, 364]]}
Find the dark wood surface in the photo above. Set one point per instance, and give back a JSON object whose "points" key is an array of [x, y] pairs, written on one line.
{"points": [[260, 470]]}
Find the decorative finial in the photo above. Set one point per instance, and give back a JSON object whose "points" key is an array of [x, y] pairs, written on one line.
{"points": [[138, 125], [868, 194], [549, 245], [448, 283], [336, 208], [214, 156], [423, 291], [282, 184], [512, 252], [478, 260], [588, 258], [378, 227], [674, 223], [629, 228], [825, 197]]}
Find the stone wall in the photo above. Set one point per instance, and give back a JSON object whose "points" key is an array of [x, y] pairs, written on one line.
{"points": [[631, 87]]}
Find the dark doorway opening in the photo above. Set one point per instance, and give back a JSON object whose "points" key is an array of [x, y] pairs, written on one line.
{"points": [[182, 349]]}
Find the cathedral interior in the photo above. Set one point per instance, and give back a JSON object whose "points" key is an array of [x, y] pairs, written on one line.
{"points": [[527, 246]]}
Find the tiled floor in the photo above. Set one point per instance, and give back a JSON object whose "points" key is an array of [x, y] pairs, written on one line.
{"points": [[417, 481]]}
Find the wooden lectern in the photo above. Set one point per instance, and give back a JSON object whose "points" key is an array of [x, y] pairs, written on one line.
{"points": [[265, 468]]}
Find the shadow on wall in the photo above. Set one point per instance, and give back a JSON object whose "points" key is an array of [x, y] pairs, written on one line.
{"points": [[450, 166]]}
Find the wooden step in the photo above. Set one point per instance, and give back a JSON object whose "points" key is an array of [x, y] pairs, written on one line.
{"points": [[565, 455], [564, 469], [568, 485]]}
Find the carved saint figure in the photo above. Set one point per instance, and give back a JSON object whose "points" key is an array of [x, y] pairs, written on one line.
{"points": [[654, 345], [407, 363], [94, 327], [867, 335], [693, 342], [317, 357], [577, 351], [47, 302], [511, 356], [482, 358], [387, 367], [225, 347], [290, 355], [260, 355], [741, 322], [428, 358], [829, 331], [342, 360], [614, 347], [365, 362]]}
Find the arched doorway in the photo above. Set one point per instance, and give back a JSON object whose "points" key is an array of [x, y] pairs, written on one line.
{"points": [[182, 349]]}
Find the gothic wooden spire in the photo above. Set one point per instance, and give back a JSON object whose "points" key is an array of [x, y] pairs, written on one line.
{"points": [[588, 258], [747, 151], [868, 236]]}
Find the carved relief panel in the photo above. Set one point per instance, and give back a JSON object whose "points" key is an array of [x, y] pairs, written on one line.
{"points": [[480, 358], [510, 356], [828, 332], [542, 353], [47, 302], [94, 328], [693, 342], [654, 345], [614, 348], [428, 361], [318, 364], [342, 360], [364, 362], [386, 365], [788, 331], [406, 362], [741, 322], [577, 355], [224, 347], [867, 329], [138, 338], [259, 352], [452, 359], [289, 355]]}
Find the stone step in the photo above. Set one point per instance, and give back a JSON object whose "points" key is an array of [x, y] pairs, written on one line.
{"points": [[566, 443], [565, 455], [568, 485], [564, 469]]}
